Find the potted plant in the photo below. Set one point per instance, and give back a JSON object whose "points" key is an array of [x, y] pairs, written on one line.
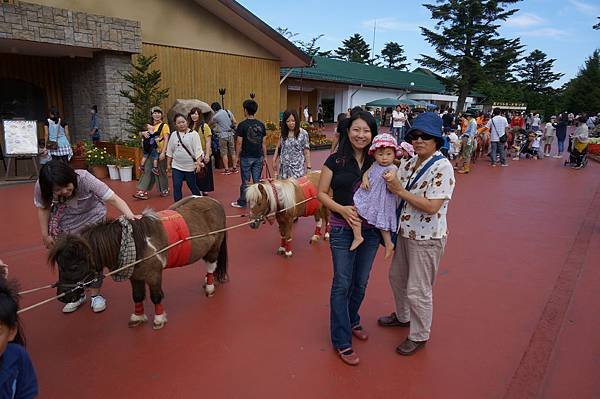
{"points": [[125, 166], [78, 159], [113, 171], [96, 159]]}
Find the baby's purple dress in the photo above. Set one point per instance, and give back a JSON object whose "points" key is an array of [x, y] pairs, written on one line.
{"points": [[377, 205]]}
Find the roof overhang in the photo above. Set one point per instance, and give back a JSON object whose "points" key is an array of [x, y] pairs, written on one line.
{"points": [[238, 17]]}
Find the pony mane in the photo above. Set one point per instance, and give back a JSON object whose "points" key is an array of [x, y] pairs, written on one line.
{"points": [[286, 192], [104, 238]]}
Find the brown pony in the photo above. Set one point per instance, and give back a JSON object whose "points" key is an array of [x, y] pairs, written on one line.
{"points": [[82, 257], [276, 195]]}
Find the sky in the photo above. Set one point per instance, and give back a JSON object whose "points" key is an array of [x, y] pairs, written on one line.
{"points": [[560, 28]]}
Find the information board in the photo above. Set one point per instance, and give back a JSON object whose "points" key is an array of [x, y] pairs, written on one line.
{"points": [[20, 138]]}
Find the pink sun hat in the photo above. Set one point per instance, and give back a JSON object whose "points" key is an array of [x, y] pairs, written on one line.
{"points": [[408, 148], [384, 140]]}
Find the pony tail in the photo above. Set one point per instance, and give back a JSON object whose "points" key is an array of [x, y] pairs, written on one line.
{"points": [[9, 306]]}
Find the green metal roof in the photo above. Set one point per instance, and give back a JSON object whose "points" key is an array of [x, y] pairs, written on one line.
{"points": [[331, 70]]}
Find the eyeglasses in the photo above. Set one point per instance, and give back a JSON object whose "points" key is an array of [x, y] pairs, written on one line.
{"points": [[422, 136]]}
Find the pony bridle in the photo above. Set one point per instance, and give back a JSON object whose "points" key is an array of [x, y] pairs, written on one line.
{"points": [[88, 279], [277, 202]]}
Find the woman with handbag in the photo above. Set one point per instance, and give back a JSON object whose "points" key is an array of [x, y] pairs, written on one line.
{"points": [[196, 123], [56, 135], [184, 157]]}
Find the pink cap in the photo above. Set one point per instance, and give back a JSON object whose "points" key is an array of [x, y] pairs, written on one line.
{"points": [[383, 140], [408, 148]]}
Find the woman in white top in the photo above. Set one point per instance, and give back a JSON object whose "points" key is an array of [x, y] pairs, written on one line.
{"points": [[184, 157]]}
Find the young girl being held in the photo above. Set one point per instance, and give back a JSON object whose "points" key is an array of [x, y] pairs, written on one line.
{"points": [[17, 376], [373, 202]]}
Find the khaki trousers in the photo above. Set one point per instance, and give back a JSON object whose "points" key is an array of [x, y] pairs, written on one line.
{"points": [[411, 277]]}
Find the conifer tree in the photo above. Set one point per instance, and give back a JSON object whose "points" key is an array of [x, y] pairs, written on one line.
{"points": [[467, 42], [393, 56], [536, 72], [355, 49], [582, 94], [310, 47], [144, 92]]}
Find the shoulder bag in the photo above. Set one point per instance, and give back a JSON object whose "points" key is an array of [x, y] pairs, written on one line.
{"points": [[502, 138], [202, 173], [409, 186]]}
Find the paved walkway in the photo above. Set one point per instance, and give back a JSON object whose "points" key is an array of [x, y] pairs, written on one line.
{"points": [[516, 307]]}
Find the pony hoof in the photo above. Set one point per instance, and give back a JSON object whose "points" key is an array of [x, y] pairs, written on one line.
{"points": [[281, 250], [209, 290], [288, 254], [137, 320], [314, 238], [159, 321], [326, 236]]}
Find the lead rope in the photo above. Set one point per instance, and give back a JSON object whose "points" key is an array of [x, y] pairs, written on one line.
{"points": [[85, 284]]}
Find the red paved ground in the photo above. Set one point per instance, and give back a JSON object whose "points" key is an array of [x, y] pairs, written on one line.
{"points": [[508, 277]]}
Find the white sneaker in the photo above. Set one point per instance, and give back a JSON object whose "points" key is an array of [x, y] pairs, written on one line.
{"points": [[236, 205], [98, 303], [73, 306]]}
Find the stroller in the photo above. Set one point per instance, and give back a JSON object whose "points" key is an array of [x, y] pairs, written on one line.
{"points": [[577, 154], [521, 144]]}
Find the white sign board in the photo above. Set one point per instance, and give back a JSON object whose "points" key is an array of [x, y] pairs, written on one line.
{"points": [[20, 138]]}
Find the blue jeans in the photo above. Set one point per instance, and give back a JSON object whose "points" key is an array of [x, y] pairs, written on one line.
{"points": [[397, 133], [350, 277], [190, 178], [498, 147], [249, 168], [561, 145]]}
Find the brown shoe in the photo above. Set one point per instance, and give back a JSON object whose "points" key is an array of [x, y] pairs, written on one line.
{"points": [[360, 333], [348, 356], [409, 347], [392, 321]]}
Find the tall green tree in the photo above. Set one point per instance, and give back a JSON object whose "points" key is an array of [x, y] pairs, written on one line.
{"points": [[355, 49], [582, 94], [467, 41], [536, 72], [144, 92], [310, 47], [393, 56]]}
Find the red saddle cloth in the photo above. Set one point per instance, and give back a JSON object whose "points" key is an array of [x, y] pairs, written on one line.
{"points": [[176, 229], [309, 190]]}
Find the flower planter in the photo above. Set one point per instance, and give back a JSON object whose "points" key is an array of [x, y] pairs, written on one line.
{"points": [[77, 162], [100, 171], [113, 172], [126, 173], [135, 153]]}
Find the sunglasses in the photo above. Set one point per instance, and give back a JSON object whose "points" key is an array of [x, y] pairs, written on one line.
{"points": [[423, 136]]}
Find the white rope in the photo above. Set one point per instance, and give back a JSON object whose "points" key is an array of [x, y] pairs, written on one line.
{"points": [[83, 285]]}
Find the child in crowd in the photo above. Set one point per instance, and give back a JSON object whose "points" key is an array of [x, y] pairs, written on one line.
{"points": [[373, 202], [406, 151], [17, 376], [150, 148], [549, 136], [43, 155]]}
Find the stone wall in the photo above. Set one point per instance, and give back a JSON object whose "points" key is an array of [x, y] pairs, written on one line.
{"points": [[97, 81], [33, 22]]}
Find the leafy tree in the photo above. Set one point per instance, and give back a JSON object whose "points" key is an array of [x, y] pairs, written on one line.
{"points": [[310, 47], [536, 73], [582, 94], [467, 42], [144, 92], [393, 56], [355, 49]]}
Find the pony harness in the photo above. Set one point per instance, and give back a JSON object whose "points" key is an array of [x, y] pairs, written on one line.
{"points": [[176, 229], [310, 191]]}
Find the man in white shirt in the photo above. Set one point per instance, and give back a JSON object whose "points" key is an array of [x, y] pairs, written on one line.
{"points": [[498, 126], [398, 119], [549, 136], [535, 124]]}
